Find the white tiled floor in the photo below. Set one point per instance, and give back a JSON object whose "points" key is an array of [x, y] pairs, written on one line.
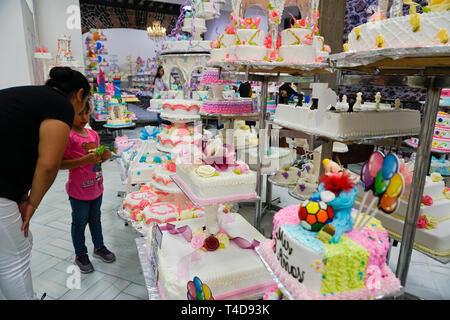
{"points": [[123, 280]]}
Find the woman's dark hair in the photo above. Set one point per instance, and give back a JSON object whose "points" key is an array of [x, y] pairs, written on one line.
{"points": [[157, 75], [68, 81], [245, 90]]}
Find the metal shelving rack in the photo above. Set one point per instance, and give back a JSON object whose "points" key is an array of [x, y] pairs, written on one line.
{"points": [[423, 68]]}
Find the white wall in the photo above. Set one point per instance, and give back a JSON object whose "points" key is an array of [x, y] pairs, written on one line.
{"points": [[14, 59], [56, 18], [123, 42]]}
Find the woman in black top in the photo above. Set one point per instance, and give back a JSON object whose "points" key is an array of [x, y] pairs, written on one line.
{"points": [[35, 122]]}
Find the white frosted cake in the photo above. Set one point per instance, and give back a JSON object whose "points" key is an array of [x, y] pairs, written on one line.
{"points": [[142, 170], [193, 24], [231, 273], [181, 109], [307, 182], [287, 176], [415, 30], [161, 178], [273, 159], [250, 41], [138, 200], [175, 135], [224, 47], [347, 125]]}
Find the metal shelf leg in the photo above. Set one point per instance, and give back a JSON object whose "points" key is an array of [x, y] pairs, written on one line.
{"points": [[418, 182]]}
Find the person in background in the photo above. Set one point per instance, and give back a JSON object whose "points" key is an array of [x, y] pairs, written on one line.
{"points": [[36, 122], [85, 190], [158, 82], [285, 93]]}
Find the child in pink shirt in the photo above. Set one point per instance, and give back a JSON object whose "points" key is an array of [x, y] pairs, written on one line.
{"points": [[85, 190]]}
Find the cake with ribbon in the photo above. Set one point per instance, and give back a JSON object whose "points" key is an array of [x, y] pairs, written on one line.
{"points": [[424, 26], [323, 249]]}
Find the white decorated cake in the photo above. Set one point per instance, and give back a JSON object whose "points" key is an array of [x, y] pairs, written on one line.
{"points": [[287, 176], [225, 264], [307, 182], [371, 122], [175, 135], [181, 109], [142, 170], [162, 180], [324, 249], [273, 159], [429, 28], [224, 48], [138, 201], [212, 175], [250, 41]]}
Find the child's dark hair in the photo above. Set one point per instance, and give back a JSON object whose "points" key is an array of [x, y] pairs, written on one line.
{"points": [[245, 90], [68, 81]]}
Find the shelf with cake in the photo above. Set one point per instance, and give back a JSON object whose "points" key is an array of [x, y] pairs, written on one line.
{"points": [[310, 241], [421, 36]]}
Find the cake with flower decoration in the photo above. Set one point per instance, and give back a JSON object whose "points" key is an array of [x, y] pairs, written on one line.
{"points": [[224, 47], [324, 249], [302, 42], [424, 26], [211, 173], [175, 135], [181, 109]]}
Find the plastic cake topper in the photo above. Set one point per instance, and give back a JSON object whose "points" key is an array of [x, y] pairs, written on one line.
{"points": [[381, 175]]}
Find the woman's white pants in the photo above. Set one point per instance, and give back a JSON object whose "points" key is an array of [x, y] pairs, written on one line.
{"points": [[15, 254]]}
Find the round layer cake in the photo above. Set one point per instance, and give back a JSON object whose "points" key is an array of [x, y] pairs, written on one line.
{"points": [[162, 180], [418, 30], [181, 109], [274, 159], [175, 135], [244, 105], [287, 176], [211, 76], [207, 9]]}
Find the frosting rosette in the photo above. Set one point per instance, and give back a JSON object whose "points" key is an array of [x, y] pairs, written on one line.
{"points": [[211, 243], [198, 241], [206, 171]]}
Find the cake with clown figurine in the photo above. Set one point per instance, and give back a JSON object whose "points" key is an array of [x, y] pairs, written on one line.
{"points": [[325, 249]]}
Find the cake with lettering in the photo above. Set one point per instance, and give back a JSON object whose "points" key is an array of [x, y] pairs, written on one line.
{"points": [[424, 26], [323, 249]]}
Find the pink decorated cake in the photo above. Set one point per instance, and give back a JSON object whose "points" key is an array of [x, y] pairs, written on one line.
{"points": [[161, 212], [138, 200], [441, 138], [175, 135], [162, 178]]}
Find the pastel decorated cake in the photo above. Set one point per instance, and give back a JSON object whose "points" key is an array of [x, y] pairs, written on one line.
{"points": [[224, 263], [138, 201], [429, 28], [161, 178], [193, 24], [212, 174], [181, 109], [142, 170], [224, 48], [322, 118], [287, 176], [324, 249], [175, 135], [250, 40], [207, 9], [273, 159], [235, 106], [161, 212], [441, 138], [118, 114]]}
